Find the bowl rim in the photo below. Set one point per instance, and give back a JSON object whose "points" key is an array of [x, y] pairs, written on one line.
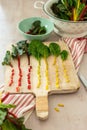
{"points": [[52, 25], [54, 17]]}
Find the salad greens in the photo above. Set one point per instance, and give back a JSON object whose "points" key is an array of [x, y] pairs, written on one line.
{"points": [[36, 28], [8, 121], [75, 10]]}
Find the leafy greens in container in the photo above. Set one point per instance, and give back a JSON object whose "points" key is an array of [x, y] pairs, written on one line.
{"points": [[74, 10], [37, 29]]}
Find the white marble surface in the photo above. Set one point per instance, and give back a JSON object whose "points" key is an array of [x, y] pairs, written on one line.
{"points": [[73, 116]]}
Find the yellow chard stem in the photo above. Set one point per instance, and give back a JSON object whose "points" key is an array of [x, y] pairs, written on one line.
{"points": [[78, 4], [57, 77], [54, 60], [74, 14], [39, 75], [46, 74]]}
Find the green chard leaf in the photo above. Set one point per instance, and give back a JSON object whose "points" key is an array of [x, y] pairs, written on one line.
{"points": [[55, 49], [64, 54], [7, 58], [33, 48], [3, 113], [7, 125], [14, 51], [36, 23], [5, 106], [44, 51], [42, 30], [22, 47]]}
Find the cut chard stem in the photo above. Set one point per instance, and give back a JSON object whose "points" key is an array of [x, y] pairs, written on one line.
{"points": [[20, 75], [39, 75], [46, 74], [54, 60], [12, 76], [29, 72]]}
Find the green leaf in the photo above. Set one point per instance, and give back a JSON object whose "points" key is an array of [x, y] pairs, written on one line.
{"points": [[35, 30], [54, 49], [44, 51], [36, 23], [3, 106], [33, 48], [7, 58], [64, 54], [70, 3], [14, 51], [7, 125], [3, 113], [42, 30], [22, 47]]}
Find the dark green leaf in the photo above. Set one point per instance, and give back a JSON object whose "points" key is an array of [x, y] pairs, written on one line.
{"points": [[3, 106], [3, 113], [14, 51], [33, 48], [35, 30], [70, 3], [36, 23], [64, 54], [54, 49], [42, 30], [44, 51], [22, 47], [7, 125], [7, 58]]}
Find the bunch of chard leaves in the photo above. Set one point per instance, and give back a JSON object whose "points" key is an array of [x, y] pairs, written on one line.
{"points": [[37, 29], [69, 9], [9, 122]]}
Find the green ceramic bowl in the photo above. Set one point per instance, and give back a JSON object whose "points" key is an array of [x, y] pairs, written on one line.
{"points": [[26, 24]]}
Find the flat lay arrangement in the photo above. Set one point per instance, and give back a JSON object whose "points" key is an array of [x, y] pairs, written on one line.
{"points": [[43, 65]]}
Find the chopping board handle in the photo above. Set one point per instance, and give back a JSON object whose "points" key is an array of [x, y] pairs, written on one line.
{"points": [[42, 106]]}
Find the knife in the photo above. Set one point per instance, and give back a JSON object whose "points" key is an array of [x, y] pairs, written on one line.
{"points": [[83, 80]]}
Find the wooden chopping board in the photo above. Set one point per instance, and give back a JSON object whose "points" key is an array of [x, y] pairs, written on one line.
{"points": [[53, 79]]}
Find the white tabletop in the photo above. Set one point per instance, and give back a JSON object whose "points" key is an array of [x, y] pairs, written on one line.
{"points": [[73, 116]]}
